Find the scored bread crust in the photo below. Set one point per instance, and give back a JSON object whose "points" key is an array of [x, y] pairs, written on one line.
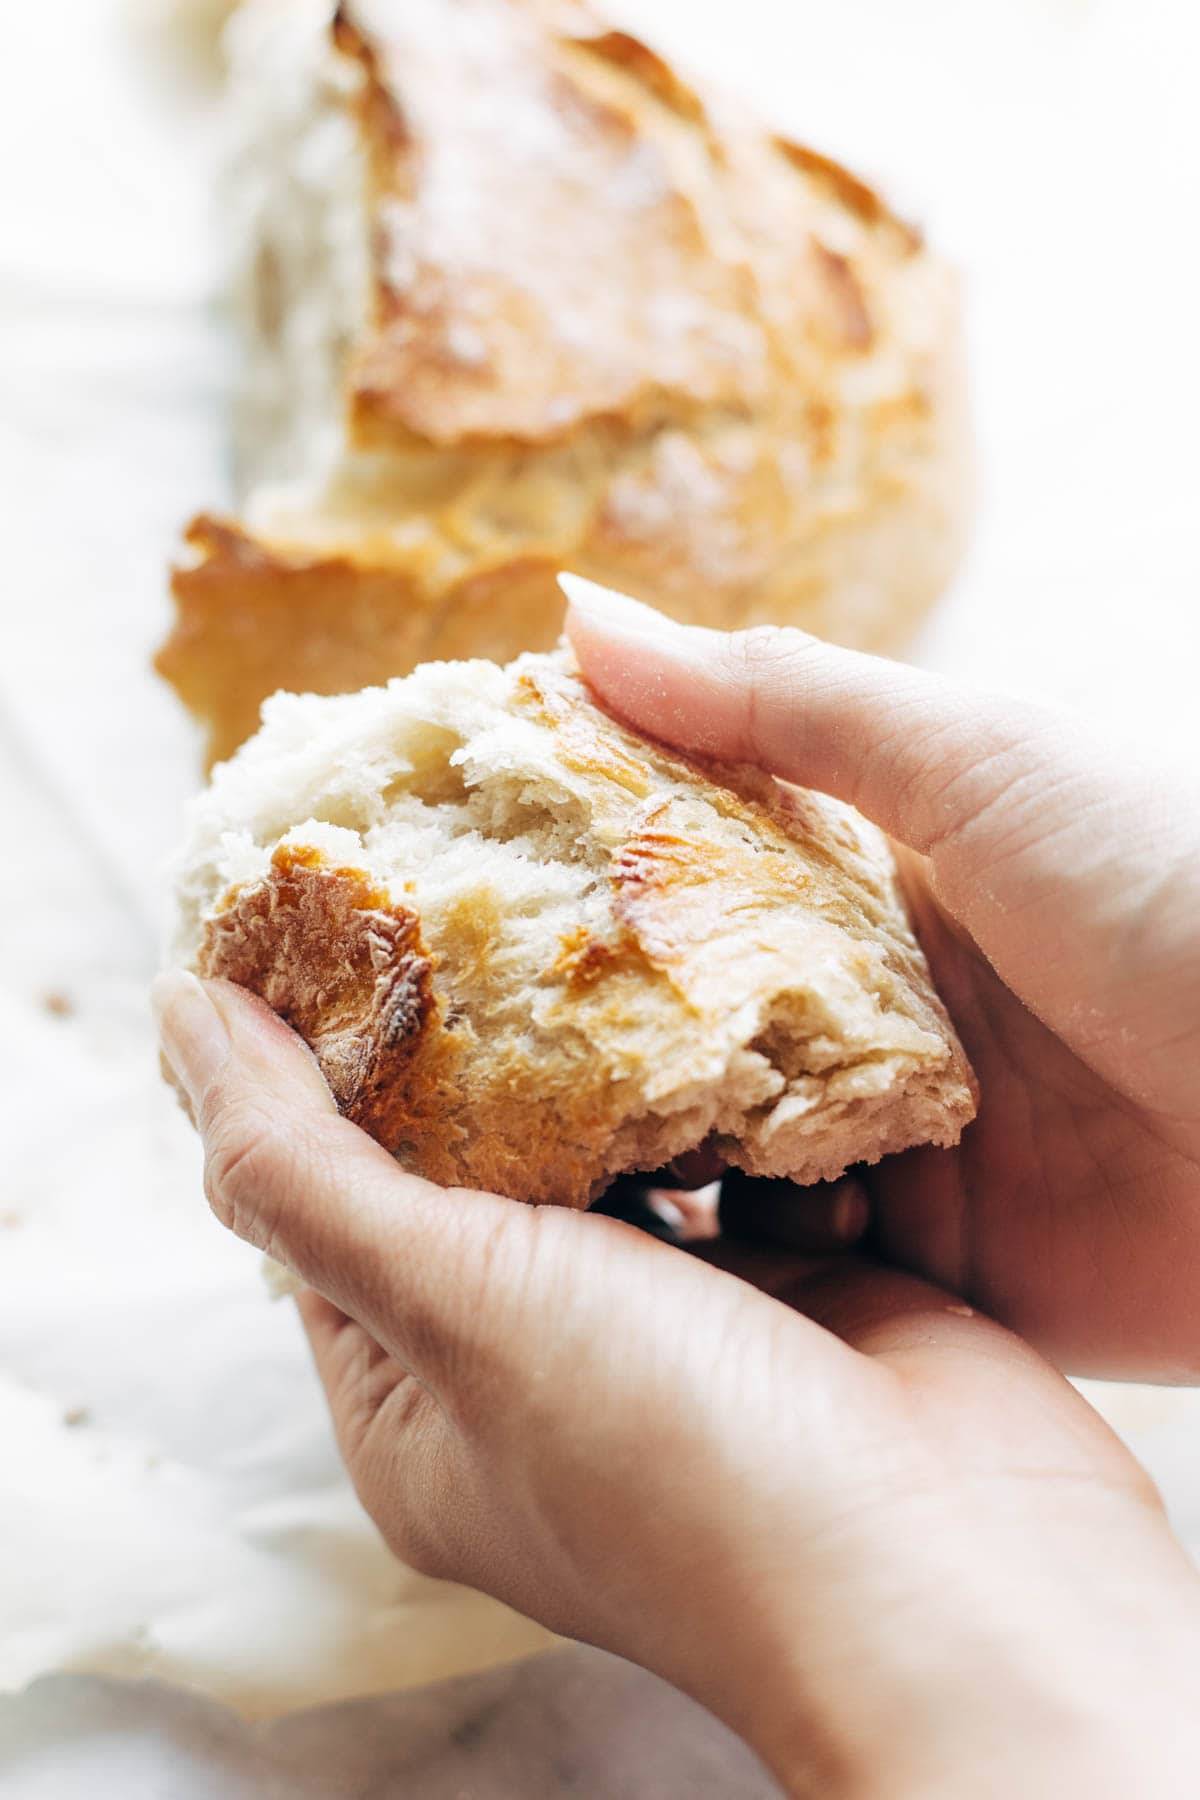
{"points": [[532, 950], [516, 297]]}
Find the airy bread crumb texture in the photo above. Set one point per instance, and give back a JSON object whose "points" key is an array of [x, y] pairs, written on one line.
{"points": [[532, 950]]}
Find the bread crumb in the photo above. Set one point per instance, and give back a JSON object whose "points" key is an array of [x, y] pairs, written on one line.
{"points": [[77, 1415], [612, 959], [58, 1004]]}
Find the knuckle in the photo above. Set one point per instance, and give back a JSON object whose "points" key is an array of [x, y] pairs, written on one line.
{"points": [[413, 1497], [760, 652], [763, 669], [951, 787], [420, 1547], [502, 1285], [247, 1163]]}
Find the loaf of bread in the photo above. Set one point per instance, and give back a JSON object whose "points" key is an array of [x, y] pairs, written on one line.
{"points": [[515, 297], [532, 950]]}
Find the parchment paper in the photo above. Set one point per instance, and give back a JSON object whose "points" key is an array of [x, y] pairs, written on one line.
{"points": [[170, 1502]]}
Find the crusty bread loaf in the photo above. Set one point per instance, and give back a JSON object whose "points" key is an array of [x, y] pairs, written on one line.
{"points": [[532, 950], [515, 297]]}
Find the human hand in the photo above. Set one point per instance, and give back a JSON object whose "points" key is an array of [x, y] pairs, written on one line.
{"points": [[1056, 891], [863, 1524]]}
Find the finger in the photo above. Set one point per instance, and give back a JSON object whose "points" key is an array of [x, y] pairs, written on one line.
{"points": [[919, 755], [883, 1313], [926, 1336], [670, 1202], [404, 1457], [1077, 873], [479, 1297], [830, 1216], [697, 1211], [463, 1289], [325, 1326], [356, 1371], [359, 1376], [633, 1202], [310, 1189], [880, 1312], [929, 1337]]}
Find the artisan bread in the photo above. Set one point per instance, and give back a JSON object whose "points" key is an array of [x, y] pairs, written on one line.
{"points": [[532, 950], [516, 297]]}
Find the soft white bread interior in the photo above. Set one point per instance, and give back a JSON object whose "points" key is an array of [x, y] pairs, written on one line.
{"points": [[532, 950], [298, 227]]}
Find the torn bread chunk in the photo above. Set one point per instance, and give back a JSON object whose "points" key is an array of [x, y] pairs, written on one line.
{"points": [[532, 950], [514, 296]]}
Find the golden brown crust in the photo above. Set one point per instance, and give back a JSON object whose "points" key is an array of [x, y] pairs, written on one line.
{"points": [[849, 190], [346, 967], [617, 956], [647, 67], [496, 314], [691, 909], [251, 618], [613, 327], [338, 961], [563, 266]]}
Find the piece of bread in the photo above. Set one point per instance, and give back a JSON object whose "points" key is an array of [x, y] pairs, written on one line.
{"points": [[515, 297], [532, 950]]}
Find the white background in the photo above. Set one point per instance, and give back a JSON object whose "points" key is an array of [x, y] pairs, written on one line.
{"points": [[192, 1522]]}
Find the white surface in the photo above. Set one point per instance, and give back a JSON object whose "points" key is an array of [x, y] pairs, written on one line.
{"points": [[195, 1524], [577, 1723]]}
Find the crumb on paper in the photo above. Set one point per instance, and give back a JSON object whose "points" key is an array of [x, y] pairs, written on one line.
{"points": [[58, 1004], [11, 1220], [77, 1415]]}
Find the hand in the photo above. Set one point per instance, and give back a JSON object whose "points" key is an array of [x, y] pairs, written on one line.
{"points": [[867, 1527], [1056, 890]]}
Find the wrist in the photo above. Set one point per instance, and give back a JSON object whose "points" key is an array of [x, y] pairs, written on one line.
{"points": [[1034, 1681], [985, 1732]]}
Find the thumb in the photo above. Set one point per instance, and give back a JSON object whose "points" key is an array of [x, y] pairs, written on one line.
{"points": [[923, 757], [410, 1261], [1048, 845], [471, 1293]]}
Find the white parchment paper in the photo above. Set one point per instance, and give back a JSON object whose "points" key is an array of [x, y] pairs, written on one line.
{"points": [[170, 1502]]}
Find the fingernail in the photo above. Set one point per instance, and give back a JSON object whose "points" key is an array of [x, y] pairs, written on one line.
{"points": [[851, 1214], [606, 608], [192, 1032]]}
